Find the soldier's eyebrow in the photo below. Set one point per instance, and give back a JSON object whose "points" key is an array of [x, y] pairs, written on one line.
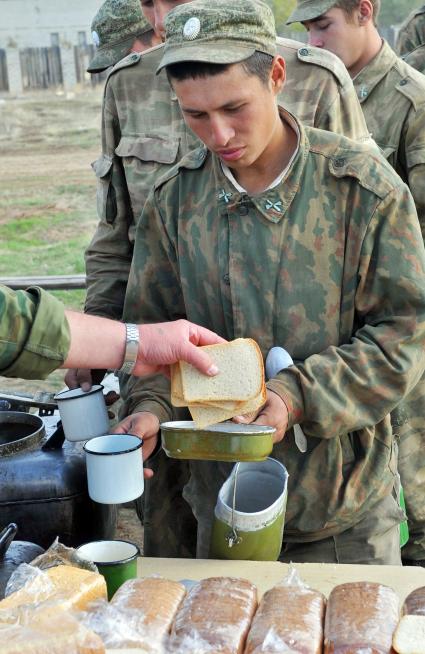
{"points": [[228, 105]]}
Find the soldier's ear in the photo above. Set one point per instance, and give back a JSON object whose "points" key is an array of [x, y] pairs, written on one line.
{"points": [[277, 74], [365, 12]]}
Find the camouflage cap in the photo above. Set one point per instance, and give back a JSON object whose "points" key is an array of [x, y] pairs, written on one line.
{"points": [[114, 29], [219, 32], [309, 9]]}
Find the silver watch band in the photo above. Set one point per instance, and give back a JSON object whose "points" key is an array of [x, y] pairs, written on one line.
{"points": [[131, 348]]}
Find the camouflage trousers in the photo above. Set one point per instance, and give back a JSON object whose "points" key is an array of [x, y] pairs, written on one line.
{"points": [[409, 425], [169, 524], [374, 540]]}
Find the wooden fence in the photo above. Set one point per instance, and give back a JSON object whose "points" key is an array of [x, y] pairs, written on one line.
{"points": [[41, 68]]}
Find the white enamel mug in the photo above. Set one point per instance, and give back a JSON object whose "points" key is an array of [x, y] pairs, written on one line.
{"points": [[83, 413], [114, 468]]}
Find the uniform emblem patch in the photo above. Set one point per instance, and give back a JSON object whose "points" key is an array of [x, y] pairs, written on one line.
{"points": [[95, 37], [191, 28]]}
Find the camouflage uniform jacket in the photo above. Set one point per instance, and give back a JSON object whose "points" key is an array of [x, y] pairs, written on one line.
{"points": [[34, 333], [318, 264], [416, 58], [392, 96], [412, 32], [143, 134]]}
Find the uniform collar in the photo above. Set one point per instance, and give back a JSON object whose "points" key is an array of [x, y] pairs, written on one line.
{"points": [[272, 203], [370, 76]]}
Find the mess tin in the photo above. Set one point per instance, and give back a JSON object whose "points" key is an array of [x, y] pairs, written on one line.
{"points": [[225, 441], [116, 560]]}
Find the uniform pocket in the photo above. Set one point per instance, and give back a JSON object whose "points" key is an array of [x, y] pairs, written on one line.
{"points": [[105, 194], [149, 149]]}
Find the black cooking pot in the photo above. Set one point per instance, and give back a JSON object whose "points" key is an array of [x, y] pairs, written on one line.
{"points": [[13, 554]]}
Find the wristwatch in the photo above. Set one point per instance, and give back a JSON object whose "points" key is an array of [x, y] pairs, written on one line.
{"points": [[131, 348]]}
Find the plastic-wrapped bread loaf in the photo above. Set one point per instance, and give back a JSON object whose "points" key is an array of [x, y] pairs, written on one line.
{"points": [[146, 609], [214, 617], [414, 604], [289, 619], [361, 617]]}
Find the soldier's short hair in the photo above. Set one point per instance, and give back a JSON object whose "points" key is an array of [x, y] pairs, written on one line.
{"points": [[349, 6], [258, 64]]}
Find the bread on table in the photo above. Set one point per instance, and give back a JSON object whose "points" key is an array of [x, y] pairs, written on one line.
{"points": [[414, 604], [361, 616], [46, 633], [150, 605], [65, 586], [409, 637], [289, 619], [214, 617]]}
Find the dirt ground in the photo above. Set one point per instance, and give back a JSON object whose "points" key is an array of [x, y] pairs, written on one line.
{"points": [[48, 206]]}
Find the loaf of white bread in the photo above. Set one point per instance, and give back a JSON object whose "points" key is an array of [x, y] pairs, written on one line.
{"points": [[289, 619], [238, 389], [361, 617], [214, 617], [149, 606], [414, 604], [48, 633]]}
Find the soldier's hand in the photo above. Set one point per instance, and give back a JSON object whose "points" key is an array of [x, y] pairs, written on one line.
{"points": [[84, 378], [273, 414], [146, 426], [164, 343], [78, 377]]}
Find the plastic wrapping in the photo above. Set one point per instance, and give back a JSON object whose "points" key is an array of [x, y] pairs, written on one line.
{"points": [[289, 619], [414, 604], [140, 615], [48, 634], [214, 617], [361, 616]]}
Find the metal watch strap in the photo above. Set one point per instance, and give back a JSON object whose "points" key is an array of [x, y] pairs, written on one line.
{"points": [[131, 348]]}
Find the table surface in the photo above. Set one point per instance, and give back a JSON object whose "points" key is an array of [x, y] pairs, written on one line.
{"points": [[265, 574]]}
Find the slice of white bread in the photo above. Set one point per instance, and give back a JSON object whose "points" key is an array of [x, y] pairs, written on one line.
{"points": [[240, 378], [409, 637], [238, 389]]}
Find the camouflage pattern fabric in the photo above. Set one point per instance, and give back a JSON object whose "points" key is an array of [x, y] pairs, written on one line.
{"points": [[114, 28], [309, 9], [392, 96], [143, 135], [416, 59], [34, 333], [412, 32], [219, 32], [354, 318]]}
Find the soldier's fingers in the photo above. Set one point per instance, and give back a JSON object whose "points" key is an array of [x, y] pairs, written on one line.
{"points": [[71, 378], [84, 379], [198, 358], [202, 336]]}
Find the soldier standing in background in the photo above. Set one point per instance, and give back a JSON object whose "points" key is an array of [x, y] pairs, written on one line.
{"points": [[288, 235], [117, 29], [416, 58], [143, 135], [392, 96], [412, 32]]}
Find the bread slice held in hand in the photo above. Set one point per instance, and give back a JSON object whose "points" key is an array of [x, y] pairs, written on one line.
{"points": [[238, 389]]}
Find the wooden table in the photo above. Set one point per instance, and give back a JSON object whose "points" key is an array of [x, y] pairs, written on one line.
{"points": [[321, 576]]}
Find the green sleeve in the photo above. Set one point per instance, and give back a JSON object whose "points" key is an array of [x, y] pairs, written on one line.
{"points": [[34, 333]]}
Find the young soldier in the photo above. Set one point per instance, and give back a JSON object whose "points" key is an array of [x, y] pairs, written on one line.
{"points": [[119, 28], [392, 96], [143, 134], [412, 32], [289, 235]]}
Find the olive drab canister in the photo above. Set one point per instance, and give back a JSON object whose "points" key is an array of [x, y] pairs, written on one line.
{"points": [[250, 512]]}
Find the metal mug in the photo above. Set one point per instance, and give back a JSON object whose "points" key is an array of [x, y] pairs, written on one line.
{"points": [[114, 468], [83, 413], [116, 560]]}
